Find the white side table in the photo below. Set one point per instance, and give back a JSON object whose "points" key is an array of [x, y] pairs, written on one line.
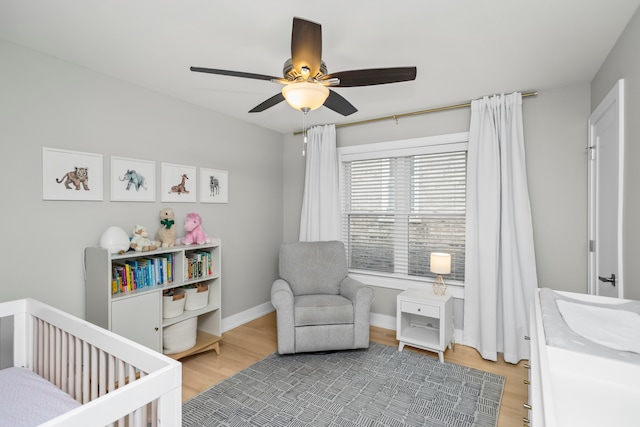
{"points": [[424, 320]]}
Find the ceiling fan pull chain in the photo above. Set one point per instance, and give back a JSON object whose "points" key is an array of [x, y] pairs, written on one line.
{"points": [[304, 131]]}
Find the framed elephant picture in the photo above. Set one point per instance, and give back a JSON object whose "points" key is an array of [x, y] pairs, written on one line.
{"points": [[132, 180]]}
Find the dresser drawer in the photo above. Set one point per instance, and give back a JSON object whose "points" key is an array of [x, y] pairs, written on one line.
{"points": [[421, 309]]}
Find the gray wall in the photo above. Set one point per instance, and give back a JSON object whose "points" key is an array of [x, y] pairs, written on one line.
{"points": [[555, 139], [624, 62], [47, 102]]}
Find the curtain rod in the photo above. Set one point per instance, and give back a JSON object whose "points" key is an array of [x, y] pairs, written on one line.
{"points": [[414, 113]]}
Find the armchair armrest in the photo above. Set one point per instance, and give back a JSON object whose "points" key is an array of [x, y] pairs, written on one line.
{"points": [[281, 294], [282, 300], [356, 291], [361, 297]]}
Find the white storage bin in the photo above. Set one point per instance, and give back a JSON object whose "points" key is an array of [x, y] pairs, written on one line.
{"points": [[197, 297], [173, 305], [180, 336]]}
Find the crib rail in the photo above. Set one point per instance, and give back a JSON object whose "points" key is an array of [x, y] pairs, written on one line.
{"points": [[118, 382]]}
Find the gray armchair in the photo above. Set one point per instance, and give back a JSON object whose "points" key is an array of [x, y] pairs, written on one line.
{"points": [[318, 307]]}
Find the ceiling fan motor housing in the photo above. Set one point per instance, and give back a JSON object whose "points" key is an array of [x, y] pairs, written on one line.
{"points": [[290, 73]]}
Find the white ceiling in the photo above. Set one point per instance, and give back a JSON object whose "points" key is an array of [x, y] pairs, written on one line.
{"points": [[463, 48]]}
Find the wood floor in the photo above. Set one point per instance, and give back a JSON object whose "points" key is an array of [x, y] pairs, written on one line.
{"points": [[251, 342]]}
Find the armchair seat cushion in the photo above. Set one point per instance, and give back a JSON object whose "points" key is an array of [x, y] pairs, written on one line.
{"points": [[322, 309]]}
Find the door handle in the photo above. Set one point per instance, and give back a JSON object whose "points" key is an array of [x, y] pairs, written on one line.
{"points": [[611, 279]]}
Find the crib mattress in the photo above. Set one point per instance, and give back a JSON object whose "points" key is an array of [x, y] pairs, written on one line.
{"points": [[559, 334], [27, 399]]}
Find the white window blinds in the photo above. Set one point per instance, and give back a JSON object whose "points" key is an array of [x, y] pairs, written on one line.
{"points": [[397, 210]]}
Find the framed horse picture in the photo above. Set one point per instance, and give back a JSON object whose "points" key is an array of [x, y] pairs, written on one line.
{"points": [[214, 186], [133, 180], [178, 183]]}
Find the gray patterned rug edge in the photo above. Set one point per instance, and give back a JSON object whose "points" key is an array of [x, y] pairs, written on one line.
{"points": [[375, 387]]}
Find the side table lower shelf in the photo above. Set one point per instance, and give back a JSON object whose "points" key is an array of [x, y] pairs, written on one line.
{"points": [[204, 342]]}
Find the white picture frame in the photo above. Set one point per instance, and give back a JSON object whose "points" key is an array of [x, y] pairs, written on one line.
{"points": [[59, 175], [178, 183], [132, 180], [214, 186]]}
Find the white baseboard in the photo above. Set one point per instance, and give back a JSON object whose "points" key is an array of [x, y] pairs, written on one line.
{"points": [[379, 320], [382, 321], [246, 316]]}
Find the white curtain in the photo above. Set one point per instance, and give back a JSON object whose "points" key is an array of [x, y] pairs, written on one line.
{"points": [[500, 270], [320, 218]]}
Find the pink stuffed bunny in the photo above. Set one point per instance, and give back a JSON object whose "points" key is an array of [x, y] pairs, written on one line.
{"points": [[195, 233]]}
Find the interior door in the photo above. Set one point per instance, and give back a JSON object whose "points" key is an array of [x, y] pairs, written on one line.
{"points": [[605, 151]]}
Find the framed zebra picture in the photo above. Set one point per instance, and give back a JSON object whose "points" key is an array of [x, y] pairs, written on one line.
{"points": [[133, 180], [214, 186]]}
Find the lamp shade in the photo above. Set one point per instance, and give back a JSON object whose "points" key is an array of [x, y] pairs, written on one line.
{"points": [[303, 95], [440, 263]]}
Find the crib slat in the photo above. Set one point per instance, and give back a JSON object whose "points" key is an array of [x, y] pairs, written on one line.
{"points": [[134, 417], [144, 409], [86, 373], [94, 372], [102, 373], [71, 380], [121, 380], [111, 370], [50, 357], [64, 358], [154, 413], [79, 345], [57, 361], [40, 346]]}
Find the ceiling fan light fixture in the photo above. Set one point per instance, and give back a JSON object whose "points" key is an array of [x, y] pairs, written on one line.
{"points": [[305, 95]]}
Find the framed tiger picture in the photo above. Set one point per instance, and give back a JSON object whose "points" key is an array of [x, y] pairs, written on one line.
{"points": [[71, 175]]}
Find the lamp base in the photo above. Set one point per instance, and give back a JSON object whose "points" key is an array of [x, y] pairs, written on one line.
{"points": [[439, 288]]}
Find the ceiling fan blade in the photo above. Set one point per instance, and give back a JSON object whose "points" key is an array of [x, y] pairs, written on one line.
{"points": [[338, 104], [234, 73], [373, 76], [306, 46], [274, 100]]}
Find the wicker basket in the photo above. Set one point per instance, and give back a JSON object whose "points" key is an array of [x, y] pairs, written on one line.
{"points": [[173, 304], [197, 297], [180, 336]]}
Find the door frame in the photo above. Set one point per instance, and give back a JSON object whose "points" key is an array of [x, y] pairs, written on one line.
{"points": [[614, 99]]}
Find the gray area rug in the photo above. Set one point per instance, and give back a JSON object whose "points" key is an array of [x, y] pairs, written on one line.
{"points": [[375, 387]]}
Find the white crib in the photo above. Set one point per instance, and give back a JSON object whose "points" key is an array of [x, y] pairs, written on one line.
{"points": [[115, 381]]}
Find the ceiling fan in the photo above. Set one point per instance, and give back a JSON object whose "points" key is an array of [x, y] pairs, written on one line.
{"points": [[306, 81]]}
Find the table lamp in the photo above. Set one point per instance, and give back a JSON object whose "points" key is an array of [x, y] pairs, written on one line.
{"points": [[440, 264]]}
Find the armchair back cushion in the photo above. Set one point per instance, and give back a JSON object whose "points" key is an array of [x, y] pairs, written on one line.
{"points": [[313, 267]]}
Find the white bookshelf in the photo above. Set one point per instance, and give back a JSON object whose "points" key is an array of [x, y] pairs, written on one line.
{"points": [[137, 314]]}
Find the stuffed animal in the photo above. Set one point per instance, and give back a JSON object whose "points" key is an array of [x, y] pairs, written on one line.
{"points": [[167, 232], [195, 233], [140, 241]]}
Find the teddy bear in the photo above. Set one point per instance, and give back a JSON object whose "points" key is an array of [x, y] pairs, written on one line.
{"points": [[195, 233], [167, 232], [140, 241]]}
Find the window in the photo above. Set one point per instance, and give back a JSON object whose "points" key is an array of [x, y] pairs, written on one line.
{"points": [[401, 204]]}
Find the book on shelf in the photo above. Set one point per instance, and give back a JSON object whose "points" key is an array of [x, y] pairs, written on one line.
{"points": [[134, 274], [198, 264]]}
